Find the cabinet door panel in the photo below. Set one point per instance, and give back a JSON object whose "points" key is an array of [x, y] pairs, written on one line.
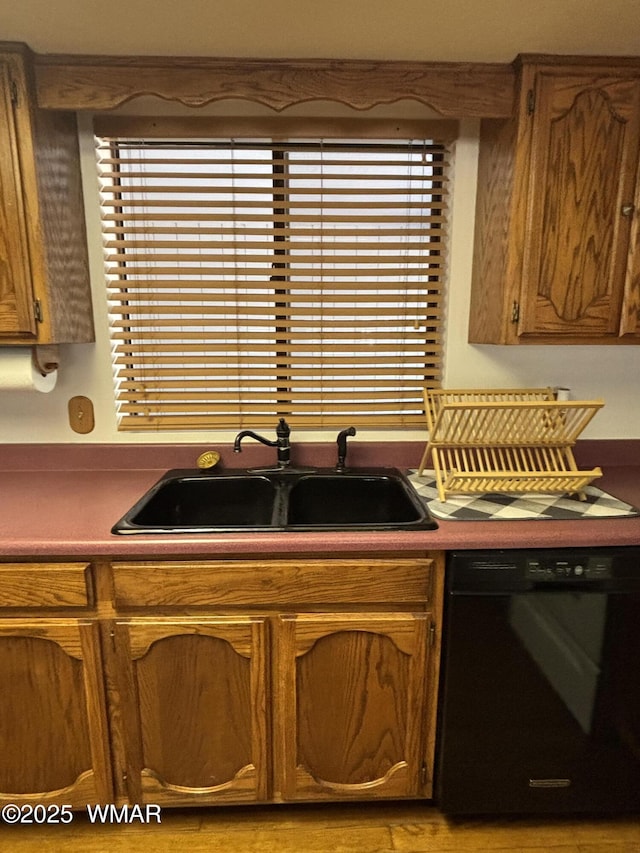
{"points": [[583, 171], [350, 706], [52, 714], [195, 709], [16, 298]]}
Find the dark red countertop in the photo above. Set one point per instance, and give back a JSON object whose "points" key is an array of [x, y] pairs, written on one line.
{"points": [[61, 501]]}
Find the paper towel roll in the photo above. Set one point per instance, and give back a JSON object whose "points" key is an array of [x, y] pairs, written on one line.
{"points": [[18, 373]]}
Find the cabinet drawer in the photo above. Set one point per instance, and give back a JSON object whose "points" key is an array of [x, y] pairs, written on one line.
{"points": [[45, 585], [274, 582]]}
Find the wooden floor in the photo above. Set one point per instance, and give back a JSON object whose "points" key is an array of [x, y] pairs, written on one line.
{"points": [[370, 828]]}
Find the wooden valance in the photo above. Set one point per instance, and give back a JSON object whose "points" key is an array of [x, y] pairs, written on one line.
{"points": [[453, 90]]}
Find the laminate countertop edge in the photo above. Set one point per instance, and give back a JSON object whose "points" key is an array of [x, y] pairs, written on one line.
{"points": [[68, 514]]}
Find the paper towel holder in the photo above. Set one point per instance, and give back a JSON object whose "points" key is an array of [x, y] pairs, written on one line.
{"points": [[46, 358]]}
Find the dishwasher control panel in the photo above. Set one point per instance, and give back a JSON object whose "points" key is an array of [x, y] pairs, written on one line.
{"points": [[504, 571], [553, 568]]}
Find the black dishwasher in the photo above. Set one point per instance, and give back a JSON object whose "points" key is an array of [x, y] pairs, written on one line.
{"points": [[540, 707]]}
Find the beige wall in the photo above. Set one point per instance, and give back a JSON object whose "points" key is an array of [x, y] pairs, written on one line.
{"points": [[484, 30]]}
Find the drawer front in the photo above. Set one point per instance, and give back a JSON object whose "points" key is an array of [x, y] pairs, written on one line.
{"points": [[47, 585], [273, 582]]}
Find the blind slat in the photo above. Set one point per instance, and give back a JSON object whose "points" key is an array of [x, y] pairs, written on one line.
{"points": [[366, 383], [367, 315], [301, 396], [432, 263], [229, 228], [125, 182], [355, 350], [339, 371], [290, 255], [249, 219], [224, 420], [265, 290], [253, 204], [400, 241], [346, 407]]}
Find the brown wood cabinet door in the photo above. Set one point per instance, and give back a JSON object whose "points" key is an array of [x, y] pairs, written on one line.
{"points": [[350, 705], [16, 296], [584, 159], [193, 714], [53, 727]]}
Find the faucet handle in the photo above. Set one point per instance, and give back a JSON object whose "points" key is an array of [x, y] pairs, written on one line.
{"points": [[342, 435], [283, 430], [342, 446], [284, 448]]}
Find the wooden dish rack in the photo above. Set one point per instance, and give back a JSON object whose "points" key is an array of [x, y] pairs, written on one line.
{"points": [[512, 440]]}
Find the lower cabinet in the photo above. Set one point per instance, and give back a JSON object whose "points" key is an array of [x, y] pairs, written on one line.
{"points": [[348, 707], [351, 705], [193, 713], [53, 723], [218, 681]]}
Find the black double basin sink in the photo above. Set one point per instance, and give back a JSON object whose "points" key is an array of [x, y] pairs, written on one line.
{"points": [[188, 501]]}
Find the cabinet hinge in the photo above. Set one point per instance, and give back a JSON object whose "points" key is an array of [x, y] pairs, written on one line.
{"points": [[13, 92], [515, 311], [37, 310], [432, 634], [531, 102], [424, 775]]}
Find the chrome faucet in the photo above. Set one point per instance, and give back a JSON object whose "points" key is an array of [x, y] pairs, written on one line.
{"points": [[282, 442], [342, 446]]}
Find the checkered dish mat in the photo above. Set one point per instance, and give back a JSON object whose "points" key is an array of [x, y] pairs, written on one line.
{"points": [[503, 507]]}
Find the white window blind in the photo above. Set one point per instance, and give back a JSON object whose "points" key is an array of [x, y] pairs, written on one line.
{"points": [[253, 279]]}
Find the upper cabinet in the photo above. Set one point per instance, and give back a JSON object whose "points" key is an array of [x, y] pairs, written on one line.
{"points": [[556, 244], [44, 275]]}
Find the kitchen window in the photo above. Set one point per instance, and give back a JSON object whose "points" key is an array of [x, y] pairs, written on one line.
{"points": [[256, 278]]}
